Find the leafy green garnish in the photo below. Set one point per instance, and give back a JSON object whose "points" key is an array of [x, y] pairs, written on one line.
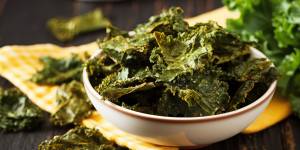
{"points": [[80, 138], [17, 112], [289, 68], [286, 23], [66, 29], [73, 104], [165, 67], [58, 71], [275, 26]]}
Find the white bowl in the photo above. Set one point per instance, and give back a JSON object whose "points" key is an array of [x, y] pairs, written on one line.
{"points": [[180, 131]]}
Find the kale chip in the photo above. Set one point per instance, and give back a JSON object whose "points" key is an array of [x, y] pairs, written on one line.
{"points": [[58, 71], [17, 112], [67, 29], [80, 138], [73, 104]]}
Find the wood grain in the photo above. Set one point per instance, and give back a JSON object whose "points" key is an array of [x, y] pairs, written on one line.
{"points": [[23, 22]]}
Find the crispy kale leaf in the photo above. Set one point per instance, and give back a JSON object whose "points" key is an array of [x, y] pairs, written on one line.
{"points": [[67, 29], [127, 51], [170, 21], [248, 76], [171, 105], [204, 93], [79, 138], [100, 67], [73, 104], [168, 68], [275, 26], [17, 112], [118, 84], [58, 71]]}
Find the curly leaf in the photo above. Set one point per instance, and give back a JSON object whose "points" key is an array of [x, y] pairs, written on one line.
{"points": [[72, 104], [288, 68], [67, 29], [80, 138], [17, 112], [58, 71]]}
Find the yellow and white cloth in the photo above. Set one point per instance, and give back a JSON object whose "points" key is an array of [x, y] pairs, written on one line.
{"points": [[19, 63]]}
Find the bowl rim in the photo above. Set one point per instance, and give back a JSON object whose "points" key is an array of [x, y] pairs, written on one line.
{"points": [[266, 96]]}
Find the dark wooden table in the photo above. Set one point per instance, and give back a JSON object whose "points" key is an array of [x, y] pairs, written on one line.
{"points": [[23, 22]]}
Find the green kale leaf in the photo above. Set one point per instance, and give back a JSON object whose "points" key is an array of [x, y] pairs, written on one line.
{"points": [[170, 21], [99, 67], [80, 138], [286, 22], [67, 29], [255, 24], [17, 112], [118, 84], [204, 93], [247, 75], [295, 95], [295, 102], [73, 104], [170, 105], [289, 68], [58, 71], [275, 26], [252, 69]]}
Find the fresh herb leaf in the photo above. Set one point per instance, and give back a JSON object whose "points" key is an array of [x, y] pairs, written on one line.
{"points": [[295, 95], [286, 23], [275, 26], [288, 68], [295, 102]]}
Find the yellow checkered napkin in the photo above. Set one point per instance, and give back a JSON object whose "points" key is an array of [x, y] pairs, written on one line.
{"points": [[19, 63]]}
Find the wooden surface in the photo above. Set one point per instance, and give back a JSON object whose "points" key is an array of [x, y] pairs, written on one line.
{"points": [[23, 22]]}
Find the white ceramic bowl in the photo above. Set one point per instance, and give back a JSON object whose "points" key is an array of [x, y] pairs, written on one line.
{"points": [[180, 131]]}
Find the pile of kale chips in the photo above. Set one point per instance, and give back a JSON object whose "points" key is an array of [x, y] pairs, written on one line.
{"points": [[275, 26], [166, 67]]}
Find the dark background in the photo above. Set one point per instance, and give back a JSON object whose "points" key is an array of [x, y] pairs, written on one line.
{"points": [[23, 22]]}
